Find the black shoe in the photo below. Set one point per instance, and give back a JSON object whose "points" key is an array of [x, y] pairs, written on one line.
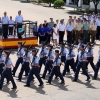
{"points": [[25, 75], [62, 82], [83, 73], [14, 87], [26, 85], [75, 80], [94, 78], [8, 82], [0, 88], [13, 75], [88, 79], [19, 80], [56, 77], [48, 82], [40, 84], [43, 77]]}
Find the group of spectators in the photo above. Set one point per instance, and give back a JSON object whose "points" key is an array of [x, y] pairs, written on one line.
{"points": [[86, 27]]}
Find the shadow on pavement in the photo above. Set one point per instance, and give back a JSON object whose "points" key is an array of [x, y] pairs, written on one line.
{"points": [[60, 86], [88, 84], [12, 93], [74, 12]]}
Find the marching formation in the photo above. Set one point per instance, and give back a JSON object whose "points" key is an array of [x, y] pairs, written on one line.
{"points": [[31, 64]]}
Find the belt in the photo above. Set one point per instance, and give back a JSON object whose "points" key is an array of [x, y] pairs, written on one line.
{"points": [[8, 68], [69, 31], [34, 66], [85, 30], [19, 23], [43, 57]]}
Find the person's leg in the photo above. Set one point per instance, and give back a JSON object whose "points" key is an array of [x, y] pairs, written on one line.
{"points": [[66, 68], [60, 36], [72, 64], [51, 74], [11, 78], [11, 30], [91, 63], [27, 68], [19, 60], [84, 70], [21, 72], [96, 69], [77, 71], [30, 77], [63, 33], [2, 78], [36, 73]]}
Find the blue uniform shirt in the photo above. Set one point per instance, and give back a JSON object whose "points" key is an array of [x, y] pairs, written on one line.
{"points": [[63, 51], [57, 62], [89, 52], [20, 52], [79, 45], [70, 28], [35, 60], [68, 54], [9, 62], [50, 54], [26, 56], [5, 20], [80, 56], [2, 58], [43, 52], [41, 31]]}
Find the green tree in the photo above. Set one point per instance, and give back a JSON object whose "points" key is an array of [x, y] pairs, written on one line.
{"points": [[96, 2], [49, 2]]}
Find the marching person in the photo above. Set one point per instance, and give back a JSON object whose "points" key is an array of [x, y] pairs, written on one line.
{"points": [[19, 61], [80, 42], [69, 60], [19, 22], [89, 54], [2, 59], [5, 22], [7, 71], [63, 52], [25, 64], [34, 70], [69, 31], [11, 26], [97, 66], [93, 30], [49, 60], [81, 63], [55, 70], [42, 55], [61, 30]]}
